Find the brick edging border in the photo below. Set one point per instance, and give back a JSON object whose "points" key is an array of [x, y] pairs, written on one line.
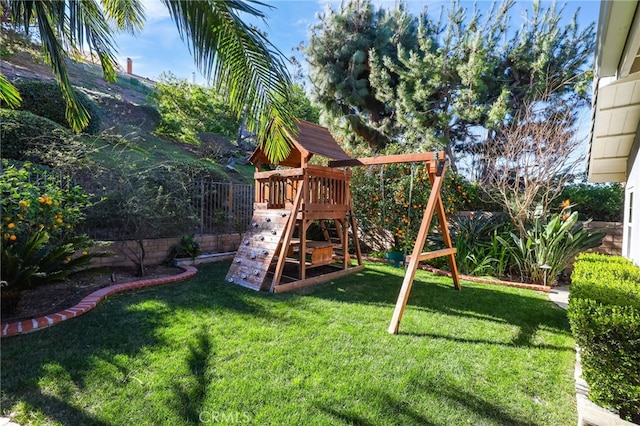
{"points": [[88, 303], [535, 287]]}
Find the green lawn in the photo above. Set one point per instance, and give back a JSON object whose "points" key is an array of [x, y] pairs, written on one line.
{"points": [[211, 352]]}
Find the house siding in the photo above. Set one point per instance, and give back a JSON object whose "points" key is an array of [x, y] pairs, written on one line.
{"points": [[631, 233]]}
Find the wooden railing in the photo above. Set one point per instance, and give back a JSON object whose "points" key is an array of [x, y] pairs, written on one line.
{"points": [[324, 188]]}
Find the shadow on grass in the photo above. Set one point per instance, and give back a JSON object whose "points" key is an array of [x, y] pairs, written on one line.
{"points": [[60, 411], [127, 324], [430, 293], [118, 330], [471, 403], [402, 413], [190, 397]]}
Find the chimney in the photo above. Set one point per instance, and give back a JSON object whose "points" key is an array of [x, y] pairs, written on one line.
{"points": [[129, 66]]}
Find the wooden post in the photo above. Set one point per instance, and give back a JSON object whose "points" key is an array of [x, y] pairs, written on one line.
{"points": [[302, 266], [436, 177], [352, 221], [442, 221], [346, 260]]}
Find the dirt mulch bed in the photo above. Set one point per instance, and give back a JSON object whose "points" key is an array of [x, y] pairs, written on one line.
{"points": [[55, 297]]}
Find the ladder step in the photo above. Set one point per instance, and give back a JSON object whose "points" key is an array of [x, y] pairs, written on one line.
{"points": [[434, 254]]}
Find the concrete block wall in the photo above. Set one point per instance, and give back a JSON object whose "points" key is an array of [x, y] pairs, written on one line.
{"points": [[612, 242], [156, 250]]}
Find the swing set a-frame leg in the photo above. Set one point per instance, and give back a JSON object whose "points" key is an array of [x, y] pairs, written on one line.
{"points": [[433, 204]]}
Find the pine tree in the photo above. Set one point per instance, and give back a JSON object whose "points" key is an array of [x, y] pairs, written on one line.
{"points": [[451, 83], [339, 53]]}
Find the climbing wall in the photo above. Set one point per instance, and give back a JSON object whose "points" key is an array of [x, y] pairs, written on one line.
{"points": [[258, 248]]}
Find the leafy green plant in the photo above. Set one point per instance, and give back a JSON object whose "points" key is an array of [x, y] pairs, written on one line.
{"points": [[46, 100], [29, 137], [187, 109], [37, 260], [475, 239], [604, 313], [553, 242], [602, 202], [187, 247], [39, 217]]}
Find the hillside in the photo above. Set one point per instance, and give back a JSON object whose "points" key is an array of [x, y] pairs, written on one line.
{"points": [[127, 120]]}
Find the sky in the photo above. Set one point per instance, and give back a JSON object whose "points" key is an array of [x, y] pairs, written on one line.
{"points": [[159, 47]]}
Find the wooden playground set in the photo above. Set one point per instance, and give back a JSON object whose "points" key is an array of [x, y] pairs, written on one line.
{"points": [[276, 253]]}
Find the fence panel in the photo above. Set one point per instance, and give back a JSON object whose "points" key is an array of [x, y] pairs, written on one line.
{"points": [[222, 207]]}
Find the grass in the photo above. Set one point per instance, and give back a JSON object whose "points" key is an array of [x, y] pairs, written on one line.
{"points": [[207, 351]]}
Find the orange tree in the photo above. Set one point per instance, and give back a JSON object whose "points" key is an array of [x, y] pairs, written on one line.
{"points": [[393, 198], [39, 216]]}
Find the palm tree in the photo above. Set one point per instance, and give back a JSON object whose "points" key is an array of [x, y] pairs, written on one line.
{"points": [[240, 61]]}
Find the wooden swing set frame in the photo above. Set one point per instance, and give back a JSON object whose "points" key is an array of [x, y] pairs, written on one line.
{"points": [[436, 165], [292, 198]]}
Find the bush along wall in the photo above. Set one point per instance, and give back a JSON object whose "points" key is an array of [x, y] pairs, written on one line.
{"points": [[46, 100], [604, 312]]}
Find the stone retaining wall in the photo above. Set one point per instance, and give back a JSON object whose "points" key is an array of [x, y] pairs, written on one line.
{"points": [[156, 250]]}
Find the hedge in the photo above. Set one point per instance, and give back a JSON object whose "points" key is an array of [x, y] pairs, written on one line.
{"points": [[604, 312], [45, 99], [22, 133]]}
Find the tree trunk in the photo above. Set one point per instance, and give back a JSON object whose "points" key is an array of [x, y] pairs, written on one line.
{"points": [[452, 160], [140, 258]]}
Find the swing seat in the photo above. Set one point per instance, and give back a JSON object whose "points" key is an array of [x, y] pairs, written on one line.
{"points": [[396, 257]]}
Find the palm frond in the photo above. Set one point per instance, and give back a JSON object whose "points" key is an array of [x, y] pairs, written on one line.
{"points": [[8, 93], [128, 15], [248, 70], [76, 114]]}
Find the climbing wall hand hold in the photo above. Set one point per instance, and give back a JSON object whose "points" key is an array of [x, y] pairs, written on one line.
{"points": [[264, 252], [273, 231], [246, 242], [254, 224], [230, 280], [283, 214], [238, 260], [244, 276], [256, 272], [268, 219], [253, 255], [261, 238]]}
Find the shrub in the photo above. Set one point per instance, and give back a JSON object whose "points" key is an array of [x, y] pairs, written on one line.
{"points": [[475, 239], [39, 216], [552, 241], [45, 99], [187, 109], [603, 202], [391, 201], [29, 137], [22, 131], [187, 247], [604, 312]]}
